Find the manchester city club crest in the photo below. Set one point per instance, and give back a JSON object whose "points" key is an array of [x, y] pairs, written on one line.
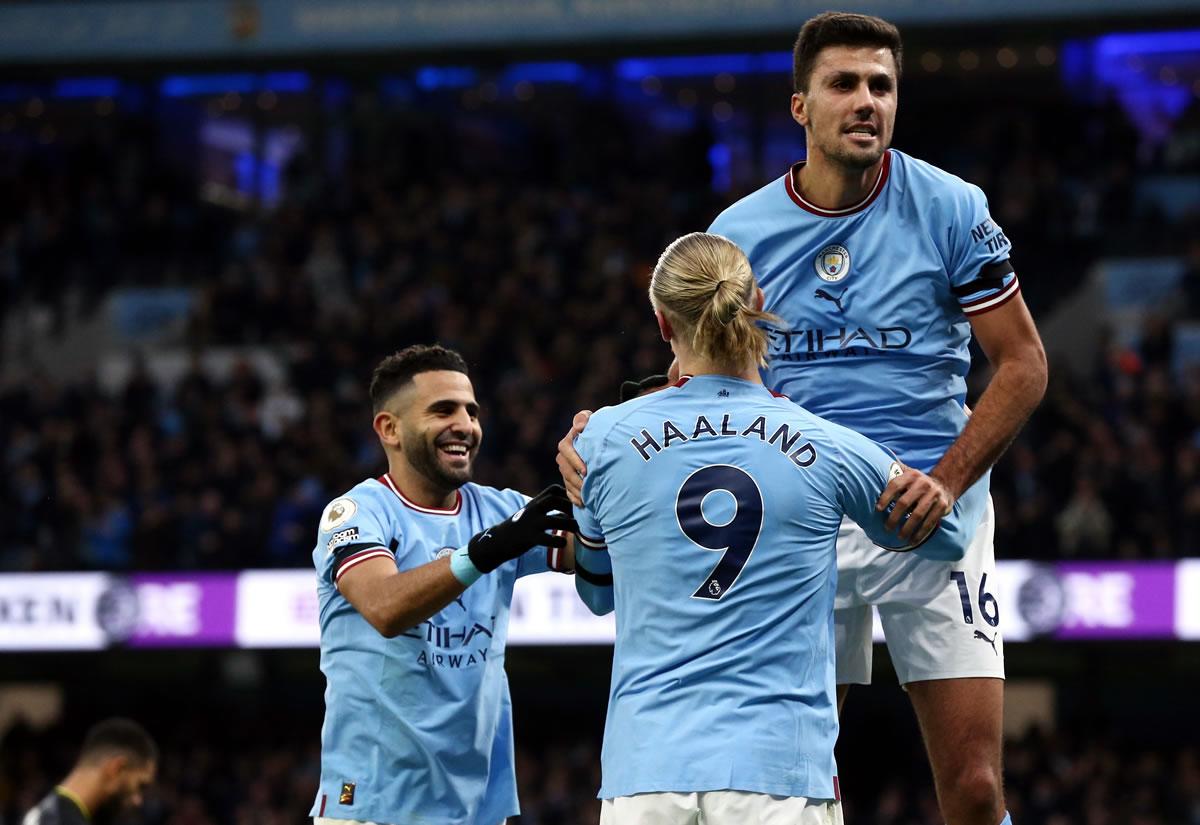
{"points": [[833, 263]]}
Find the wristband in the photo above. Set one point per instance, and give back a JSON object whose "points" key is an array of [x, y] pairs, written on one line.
{"points": [[463, 568]]}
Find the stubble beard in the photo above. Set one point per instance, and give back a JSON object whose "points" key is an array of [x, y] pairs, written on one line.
{"points": [[849, 159], [422, 453]]}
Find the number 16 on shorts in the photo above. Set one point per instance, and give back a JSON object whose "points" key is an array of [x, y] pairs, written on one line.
{"points": [[989, 608]]}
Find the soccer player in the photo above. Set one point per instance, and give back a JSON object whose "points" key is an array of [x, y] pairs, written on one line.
{"points": [[117, 762], [882, 267], [715, 507], [415, 580]]}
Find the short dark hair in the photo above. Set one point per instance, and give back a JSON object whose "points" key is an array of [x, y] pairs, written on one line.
{"points": [[838, 28], [399, 368], [118, 736]]}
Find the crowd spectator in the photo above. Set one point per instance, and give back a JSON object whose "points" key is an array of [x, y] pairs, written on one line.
{"points": [[524, 241]]}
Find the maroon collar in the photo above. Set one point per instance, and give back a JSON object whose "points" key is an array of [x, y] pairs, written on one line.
{"points": [[790, 182], [386, 480]]}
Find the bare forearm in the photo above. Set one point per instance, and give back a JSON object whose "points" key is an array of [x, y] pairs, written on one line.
{"points": [[395, 603], [1005, 405]]}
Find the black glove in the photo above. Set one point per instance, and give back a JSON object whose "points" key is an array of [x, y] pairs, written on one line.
{"points": [[633, 389], [523, 530]]}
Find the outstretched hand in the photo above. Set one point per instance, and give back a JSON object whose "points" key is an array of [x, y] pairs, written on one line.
{"points": [[529, 527]]}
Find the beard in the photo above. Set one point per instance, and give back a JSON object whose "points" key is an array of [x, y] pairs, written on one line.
{"points": [[423, 454], [849, 157]]}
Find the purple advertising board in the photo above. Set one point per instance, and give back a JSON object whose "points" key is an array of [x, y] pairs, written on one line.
{"points": [[198, 609], [1070, 601], [1113, 600]]}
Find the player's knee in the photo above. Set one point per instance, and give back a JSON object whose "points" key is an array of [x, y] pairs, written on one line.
{"points": [[975, 797]]}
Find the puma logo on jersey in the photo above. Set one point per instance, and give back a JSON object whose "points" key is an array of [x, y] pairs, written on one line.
{"points": [[825, 296], [979, 634]]}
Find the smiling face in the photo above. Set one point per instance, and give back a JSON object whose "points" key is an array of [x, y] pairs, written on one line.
{"points": [[849, 109], [433, 420]]}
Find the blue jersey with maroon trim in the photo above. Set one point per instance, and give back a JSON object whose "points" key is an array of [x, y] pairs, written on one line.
{"points": [[417, 728], [717, 505], [875, 298]]}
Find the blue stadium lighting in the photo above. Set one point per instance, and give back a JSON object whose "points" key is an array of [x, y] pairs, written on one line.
{"points": [[206, 84], [219, 84], [560, 72], [1123, 44], [285, 82], [430, 78], [635, 68], [71, 88], [720, 158], [1127, 64]]}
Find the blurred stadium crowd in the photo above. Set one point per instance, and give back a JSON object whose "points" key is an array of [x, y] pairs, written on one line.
{"points": [[524, 240], [524, 237], [255, 777]]}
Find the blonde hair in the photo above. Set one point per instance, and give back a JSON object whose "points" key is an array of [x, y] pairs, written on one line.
{"points": [[704, 285]]}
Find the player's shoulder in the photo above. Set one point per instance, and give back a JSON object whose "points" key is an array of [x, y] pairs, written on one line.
{"points": [[742, 215], [609, 422], [368, 496], [482, 496], [54, 809], [629, 412], [923, 180], [815, 427]]}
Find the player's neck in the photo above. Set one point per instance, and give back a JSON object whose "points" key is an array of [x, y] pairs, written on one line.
{"points": [[417, 489], [830, 186], [695, 365], [83, 787]]}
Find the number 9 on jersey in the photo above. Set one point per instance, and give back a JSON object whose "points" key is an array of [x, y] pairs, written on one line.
{"points": [[735, 538]]}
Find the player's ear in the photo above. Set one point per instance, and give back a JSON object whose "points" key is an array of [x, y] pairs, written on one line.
{"points": [[800, 108], [760, 300], [113, 768], [664, 326], [387, 427]]}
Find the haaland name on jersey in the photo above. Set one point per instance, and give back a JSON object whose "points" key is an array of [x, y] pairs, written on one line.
{"points": [[783, 437]]}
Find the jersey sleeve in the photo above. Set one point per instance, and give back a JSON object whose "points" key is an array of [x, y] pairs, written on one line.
{"points": [[981, 275], [866, 469], [351, 532], [593, 567]]}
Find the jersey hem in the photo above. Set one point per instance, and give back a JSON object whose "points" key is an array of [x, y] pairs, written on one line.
{"points": [[771, 788]]}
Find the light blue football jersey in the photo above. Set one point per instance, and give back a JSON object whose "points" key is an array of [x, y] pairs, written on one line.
{"points": [[418, 729], [875, 299], [719, 504]]}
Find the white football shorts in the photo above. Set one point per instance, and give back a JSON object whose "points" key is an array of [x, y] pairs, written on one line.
{"points": [[719, 808], [941, 619]]}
